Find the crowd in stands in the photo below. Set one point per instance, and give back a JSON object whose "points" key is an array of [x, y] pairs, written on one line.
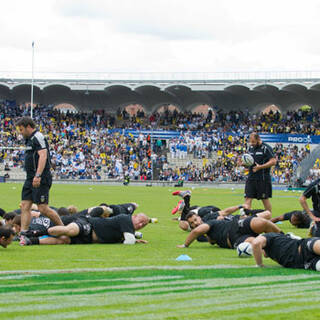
{"points": [[84, 148]]}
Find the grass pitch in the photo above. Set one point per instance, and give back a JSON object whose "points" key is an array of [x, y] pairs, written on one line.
{"points": [[145, 281]]}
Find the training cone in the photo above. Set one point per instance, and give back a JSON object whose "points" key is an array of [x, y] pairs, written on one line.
{"points": [[184, 257]]}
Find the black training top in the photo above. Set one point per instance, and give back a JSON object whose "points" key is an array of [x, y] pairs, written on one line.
{"points": [[313, 191], [203, 211], [110, 230], [41, 223], [125, 208], [261, 155], [219, 231], [34, 143], [283, 250]]}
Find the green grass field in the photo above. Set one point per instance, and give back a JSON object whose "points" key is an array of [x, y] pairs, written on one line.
{"points": [[146, 281]]}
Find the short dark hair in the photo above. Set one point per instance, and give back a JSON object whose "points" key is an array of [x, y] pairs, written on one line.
{"points": [[9, 216], [63, 212], [2, 212], [190, 215], [17, 220], [6, 232], [103, 204], [256, 135], [25, 122]]}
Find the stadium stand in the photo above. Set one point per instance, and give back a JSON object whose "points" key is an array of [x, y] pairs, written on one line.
{"points": [[83, 147]]}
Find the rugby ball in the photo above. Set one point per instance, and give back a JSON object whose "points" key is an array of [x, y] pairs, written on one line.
{"points": [[247, 160], [244, 250]]}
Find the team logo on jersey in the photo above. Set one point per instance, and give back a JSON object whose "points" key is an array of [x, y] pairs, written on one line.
{"points": [[42, 199]]}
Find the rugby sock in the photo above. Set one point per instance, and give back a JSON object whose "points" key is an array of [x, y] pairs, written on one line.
{"points": [[34, 241]]}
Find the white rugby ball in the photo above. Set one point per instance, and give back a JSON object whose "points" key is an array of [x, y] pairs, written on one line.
{"points": [[247, 160], [244, 250]]}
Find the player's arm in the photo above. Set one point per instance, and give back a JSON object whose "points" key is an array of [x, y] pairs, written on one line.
{"points": [[277, 219], [41, 164], [304, 205], [257, 245], [227, 211], [194, 234], [266, 165]]}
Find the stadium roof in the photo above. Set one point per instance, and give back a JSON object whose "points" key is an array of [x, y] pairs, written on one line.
{"points": [[110, 91]]}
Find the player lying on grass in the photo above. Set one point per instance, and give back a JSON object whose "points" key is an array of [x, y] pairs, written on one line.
{"points": [[184, 208], [227, 234], [288, 252], [297, 218], [6, 236], [87, 229]]}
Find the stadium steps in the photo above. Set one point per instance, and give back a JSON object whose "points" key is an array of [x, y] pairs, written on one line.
{"points": [[182, 163]]}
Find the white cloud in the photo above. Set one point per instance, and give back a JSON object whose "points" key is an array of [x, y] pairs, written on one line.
{"points": [[160, 36]]}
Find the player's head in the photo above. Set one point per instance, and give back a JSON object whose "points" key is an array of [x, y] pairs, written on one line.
{"points": [[298, 218], [194, 220], [6, 236], [17, 224], [72, 209], [254, 139], [140, 220], [8, 217], [26, 126], [62, 211]]}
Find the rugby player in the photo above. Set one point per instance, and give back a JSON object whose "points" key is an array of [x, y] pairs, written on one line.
{"points": [[227, 234], [288, 252], [86, 229], [258, 184], [297, 218], [38, 182], [6, 236], [212, 211]]}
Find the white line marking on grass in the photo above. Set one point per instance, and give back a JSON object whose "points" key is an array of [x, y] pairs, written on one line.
{"points": [[76, 270]]}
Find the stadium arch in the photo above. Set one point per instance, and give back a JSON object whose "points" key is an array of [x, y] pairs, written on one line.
{"points": [[133, 108], [204, 109], [64, 107], [5, 92], [170, 107], [22, 93], [272, 107]]}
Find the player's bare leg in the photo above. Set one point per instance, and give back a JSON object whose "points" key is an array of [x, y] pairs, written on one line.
{"points": [[259, 225], [71, 230], [265, 215], [25, 214], [51, 214], [267, 204], [248, 202]]}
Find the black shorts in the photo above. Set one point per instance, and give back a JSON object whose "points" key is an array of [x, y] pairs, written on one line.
{"points": [[258, 189], [85, 231], [309, 258], [243, 231], [37, 195]]}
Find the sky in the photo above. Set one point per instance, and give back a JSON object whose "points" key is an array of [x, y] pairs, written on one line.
{"points": [[159, 36]]}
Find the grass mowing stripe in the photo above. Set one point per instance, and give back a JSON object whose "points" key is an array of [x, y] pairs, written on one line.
{"points": [[141, 279], [223, 312], [101, 300]]}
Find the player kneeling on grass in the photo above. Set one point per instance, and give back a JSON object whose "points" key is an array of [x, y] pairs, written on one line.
{"points": [[212, 212], [86, 229], [288, 252], [227, 234]]}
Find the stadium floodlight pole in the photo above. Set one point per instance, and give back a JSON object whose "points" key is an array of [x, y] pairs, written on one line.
{"points": [[31, 109]]}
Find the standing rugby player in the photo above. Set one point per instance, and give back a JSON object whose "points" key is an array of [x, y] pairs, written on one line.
{"points": [[258, 184], [38, 182]]}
